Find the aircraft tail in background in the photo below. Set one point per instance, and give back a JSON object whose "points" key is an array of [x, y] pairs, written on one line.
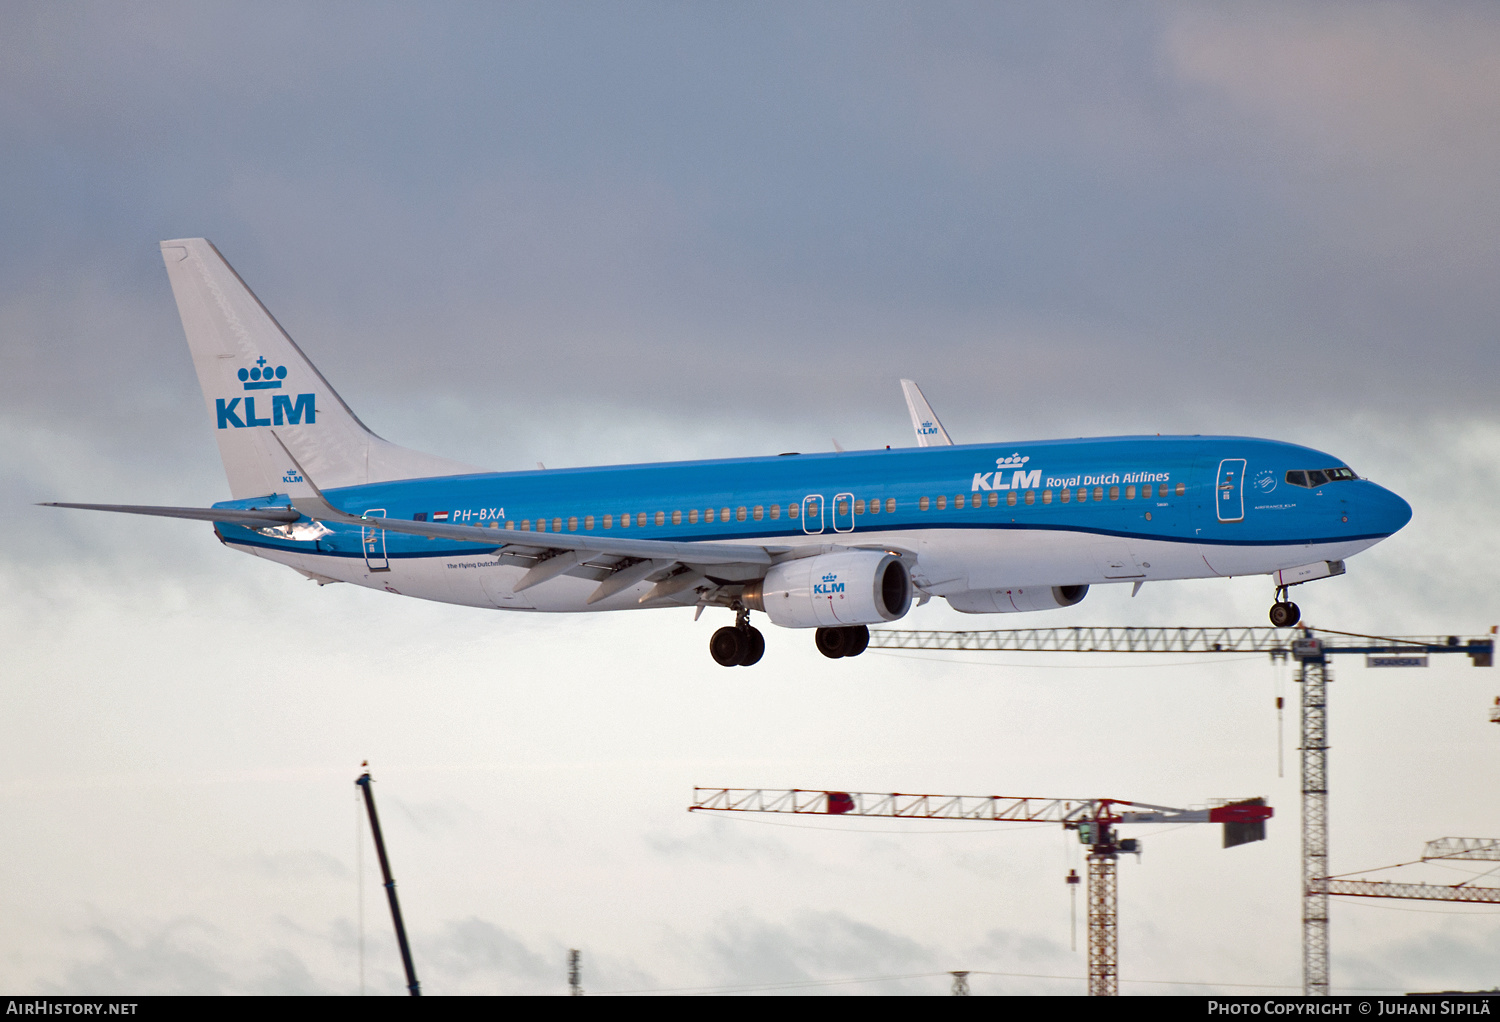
{"points": [[930, 432], [255, 378]]}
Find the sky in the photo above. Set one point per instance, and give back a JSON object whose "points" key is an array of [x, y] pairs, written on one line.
{"points": [[603, 233]]}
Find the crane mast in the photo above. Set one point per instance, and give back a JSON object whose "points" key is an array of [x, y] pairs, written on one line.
{"points": [[1095, 820]]}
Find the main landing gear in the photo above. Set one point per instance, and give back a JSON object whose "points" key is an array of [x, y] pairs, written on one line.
{"points": [[1284, 613], [739, 644], [840, 642]]}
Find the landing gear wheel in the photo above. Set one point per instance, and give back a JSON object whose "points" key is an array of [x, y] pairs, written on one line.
{"points": [[755, 646], [841, 642], [831, 642], [1285, 614], [728, 646]]}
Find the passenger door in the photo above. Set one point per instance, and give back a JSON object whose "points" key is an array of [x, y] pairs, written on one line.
{"points": [[373, 541], [1229, 490]]}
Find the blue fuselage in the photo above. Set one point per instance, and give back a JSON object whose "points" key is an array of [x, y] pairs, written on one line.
{"points": [[1203, 490]]}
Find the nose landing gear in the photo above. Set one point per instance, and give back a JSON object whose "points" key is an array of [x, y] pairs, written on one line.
{"points": [[1284, 613], [737, 645]]}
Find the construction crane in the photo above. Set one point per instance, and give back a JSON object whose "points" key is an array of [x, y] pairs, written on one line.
{"points": [[1304, 644], [1095, 821], [1444, 848], [412, 986]]}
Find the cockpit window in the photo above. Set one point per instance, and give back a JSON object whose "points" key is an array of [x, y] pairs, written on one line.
{"points": [[1318, 476]]}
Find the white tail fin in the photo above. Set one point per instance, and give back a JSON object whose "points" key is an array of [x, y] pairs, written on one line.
{"points": [[255, 377], [930, 432]]}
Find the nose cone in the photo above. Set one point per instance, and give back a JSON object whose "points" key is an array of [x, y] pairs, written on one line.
{"points": [[1385, 511]]}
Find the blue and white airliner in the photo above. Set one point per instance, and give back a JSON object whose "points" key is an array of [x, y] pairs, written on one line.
{"points": [[833, 542]]}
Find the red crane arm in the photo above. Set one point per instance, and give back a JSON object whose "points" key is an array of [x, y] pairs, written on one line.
{"points": [[994, 808]]}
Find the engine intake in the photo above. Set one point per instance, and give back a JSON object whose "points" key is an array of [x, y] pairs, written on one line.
{"points": [[1011, 601], [852, 587]]}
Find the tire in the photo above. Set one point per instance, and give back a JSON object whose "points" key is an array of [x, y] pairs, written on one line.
{"points": [[755, 647], [1285, 615], [727, 647], [830, 642], [856, 640]]}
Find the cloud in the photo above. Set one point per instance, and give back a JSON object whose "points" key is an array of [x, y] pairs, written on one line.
{"points": [[473, 955], [745, 949], [181, 956], [619, 233]]}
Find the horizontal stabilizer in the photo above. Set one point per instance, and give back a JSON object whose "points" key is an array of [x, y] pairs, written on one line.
{"points": [[234, 515]]}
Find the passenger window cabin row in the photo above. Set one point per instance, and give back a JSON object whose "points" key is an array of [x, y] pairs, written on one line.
{"points": [[760, 512], [1029, 497]]}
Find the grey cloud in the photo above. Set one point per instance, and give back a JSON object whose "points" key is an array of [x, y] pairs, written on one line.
{"points": [[717, 842], [475, 955], [744, 949], [593, 206], [183, 956], [1458, 958]]}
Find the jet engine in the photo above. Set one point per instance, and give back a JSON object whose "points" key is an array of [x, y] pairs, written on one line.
{"points": [[852, 587], [1010, 601]]}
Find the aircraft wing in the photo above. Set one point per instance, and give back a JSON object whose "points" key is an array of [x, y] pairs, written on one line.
{"points": [[695, 553], [930, 432], [616, 562], [252, 517]]}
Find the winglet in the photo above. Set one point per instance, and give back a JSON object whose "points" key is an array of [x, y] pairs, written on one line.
{"points": [[930, 432]]}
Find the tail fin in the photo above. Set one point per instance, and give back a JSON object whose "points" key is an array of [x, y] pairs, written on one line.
{"points": [[254, 377], [930, 432]]}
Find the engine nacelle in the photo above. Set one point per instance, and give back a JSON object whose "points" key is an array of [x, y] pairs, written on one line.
{"points": [[1011, 601], [852, 587]]}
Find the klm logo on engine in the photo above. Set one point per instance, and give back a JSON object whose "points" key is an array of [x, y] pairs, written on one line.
{"points": [[1020, 477], [829, 586], [285, 410]]}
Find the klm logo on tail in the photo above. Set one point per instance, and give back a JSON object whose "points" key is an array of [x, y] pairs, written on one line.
{"points": [[285, 410], [262, 379]]}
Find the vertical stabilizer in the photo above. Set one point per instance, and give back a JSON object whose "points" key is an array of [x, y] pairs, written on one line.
{"points": [[930, 432], [255, 378]]}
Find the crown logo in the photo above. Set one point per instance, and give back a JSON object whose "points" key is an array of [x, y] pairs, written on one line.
{"points": [[1014, 461], [262, 376], [830, 577]]}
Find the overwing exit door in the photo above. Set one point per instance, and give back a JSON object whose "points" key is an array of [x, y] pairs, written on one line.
{"points": [[812, 514], [373, 541], [843, 512], [1229, 490]]}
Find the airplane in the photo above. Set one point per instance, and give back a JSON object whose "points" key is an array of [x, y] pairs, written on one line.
{"points": [[833, 542]]}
